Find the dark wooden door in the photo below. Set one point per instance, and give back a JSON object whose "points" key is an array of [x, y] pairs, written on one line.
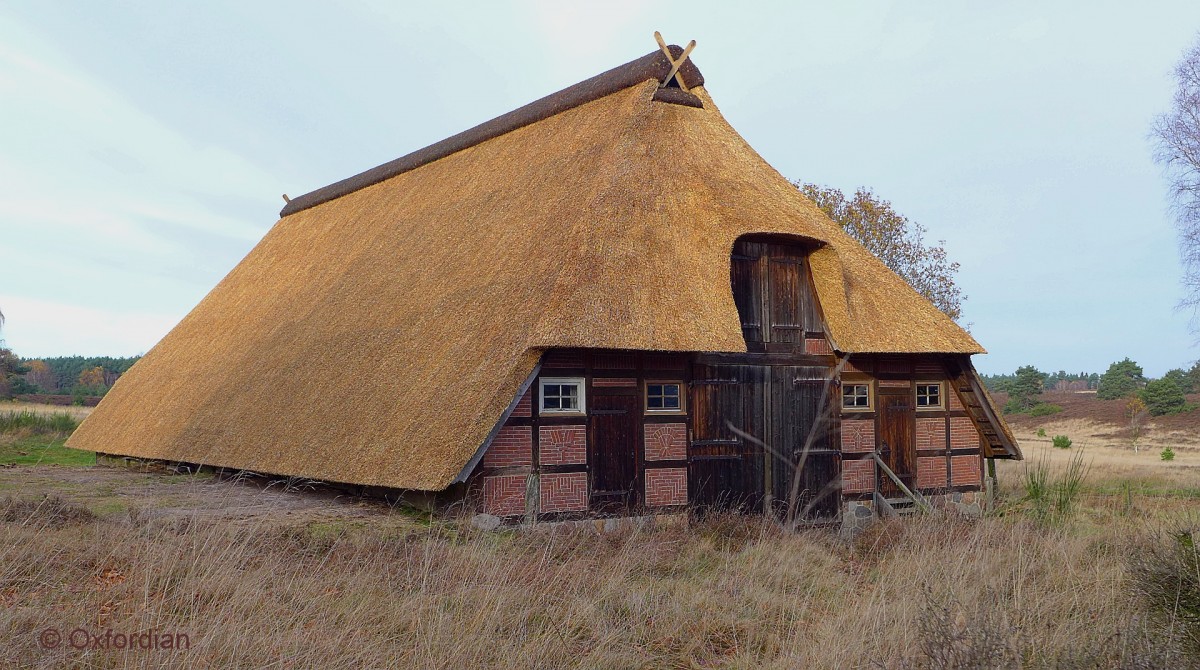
{"points": [[774, 298], [897, 437], [725, 471], [807, 458], [785, 295], [613, 453]]}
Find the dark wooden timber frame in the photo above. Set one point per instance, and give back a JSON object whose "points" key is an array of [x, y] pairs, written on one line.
{"points": [[885, 374], [752, 417], [621, 375]]}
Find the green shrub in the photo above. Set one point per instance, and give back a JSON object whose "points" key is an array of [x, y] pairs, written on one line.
{"points": [[1168, 454], [1061, 442], [1041, 432], [1163, 396], [1044, 409]]}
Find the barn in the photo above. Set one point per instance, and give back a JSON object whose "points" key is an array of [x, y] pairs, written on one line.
{"points": [[603, 303]]}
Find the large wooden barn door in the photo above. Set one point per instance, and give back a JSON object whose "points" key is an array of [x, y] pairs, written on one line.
{"points": [[725, 471], [613, 454], [897, 437], [801, 418]]}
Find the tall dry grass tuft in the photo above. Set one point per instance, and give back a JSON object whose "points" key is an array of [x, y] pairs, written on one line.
{"points": [[27, 423], [1166, 574], [728, 592]]}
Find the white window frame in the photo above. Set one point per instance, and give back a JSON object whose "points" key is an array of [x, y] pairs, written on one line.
{"points": [[682, 409], [870, 397], [579, 382], [941, 396]]}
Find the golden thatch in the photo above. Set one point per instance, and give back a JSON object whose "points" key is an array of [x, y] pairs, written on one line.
{"points": [[377, 338]]}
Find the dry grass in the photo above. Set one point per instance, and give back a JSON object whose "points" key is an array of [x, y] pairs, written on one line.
{"points": [[77, 412], [266, 578]]}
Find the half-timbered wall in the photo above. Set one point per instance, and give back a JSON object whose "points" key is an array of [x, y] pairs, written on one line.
{"points": [[933, 449], [761, 430], [614, 458]]}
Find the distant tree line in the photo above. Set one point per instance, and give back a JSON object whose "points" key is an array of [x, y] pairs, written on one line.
{"points": [[1050, 381], [1124, 379], [70, 375]]}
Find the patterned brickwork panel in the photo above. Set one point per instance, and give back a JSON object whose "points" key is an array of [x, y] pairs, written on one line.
{"points": [[931, 472], [666, 441], [512, 446], [858, 476], [931, 433], [564, 492], [963, 434], [562, 445], [955, 405], [504, 495], [666, 486], [858, 436], [966, 471], [524, 406], [816, 346]]}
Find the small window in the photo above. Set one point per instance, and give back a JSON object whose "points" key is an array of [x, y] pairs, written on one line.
{"points": [[562, 395], [856, 397], [664, 397], [929, 396]]}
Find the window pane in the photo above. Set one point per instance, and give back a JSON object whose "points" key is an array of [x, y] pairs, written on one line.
{"points": [[552, 389], [654, 402], [654, 389], [550, 402], [671, 402]]}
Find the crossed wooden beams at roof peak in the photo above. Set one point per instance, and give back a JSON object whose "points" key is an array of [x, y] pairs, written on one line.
{"points": [[675, 64]]}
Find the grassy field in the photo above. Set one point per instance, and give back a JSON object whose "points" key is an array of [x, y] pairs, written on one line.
{"points": [[34, 435], [261, 575]]}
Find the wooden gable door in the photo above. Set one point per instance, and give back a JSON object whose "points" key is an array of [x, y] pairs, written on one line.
{"points": [[897, 438], [613, 422], [771, 289]]}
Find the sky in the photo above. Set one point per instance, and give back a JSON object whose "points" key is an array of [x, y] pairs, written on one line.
{"points": [[145, 146]]}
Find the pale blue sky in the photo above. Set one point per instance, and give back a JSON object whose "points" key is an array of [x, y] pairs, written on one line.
{"points": [[144, 145]]}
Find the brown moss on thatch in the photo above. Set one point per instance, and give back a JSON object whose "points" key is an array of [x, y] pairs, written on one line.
{"points": [[378, 337]]}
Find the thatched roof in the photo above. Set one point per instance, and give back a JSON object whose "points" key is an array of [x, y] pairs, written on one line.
{"points": [[381, 328]]}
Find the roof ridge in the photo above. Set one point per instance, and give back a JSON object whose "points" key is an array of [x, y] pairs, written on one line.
{"points": [[654, 65]]}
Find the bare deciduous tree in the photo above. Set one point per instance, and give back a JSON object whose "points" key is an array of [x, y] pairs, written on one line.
{"points": [[1177, 136]]}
